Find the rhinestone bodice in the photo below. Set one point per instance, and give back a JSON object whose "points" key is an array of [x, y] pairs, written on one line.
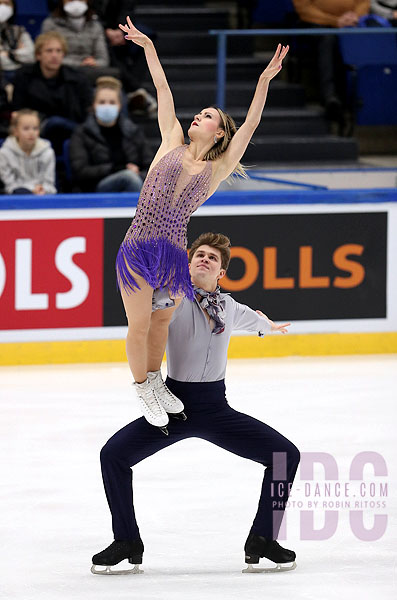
{"points": [[168, 198]]}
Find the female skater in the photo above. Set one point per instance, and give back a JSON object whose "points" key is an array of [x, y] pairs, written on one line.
{"points": [[153, 253]]}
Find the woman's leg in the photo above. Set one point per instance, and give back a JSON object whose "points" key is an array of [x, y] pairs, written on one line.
{"points": [[138, 308], [158, 334]]}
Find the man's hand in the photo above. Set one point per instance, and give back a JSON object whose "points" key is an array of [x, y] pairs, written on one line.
{"points": [[282, 328], [348, 19]]}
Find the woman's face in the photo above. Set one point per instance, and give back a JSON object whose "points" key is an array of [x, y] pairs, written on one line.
{"points": [[27, 130], [107, 96], [206, 124]]}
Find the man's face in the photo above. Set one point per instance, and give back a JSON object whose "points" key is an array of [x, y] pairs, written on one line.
{"points": [[51, 55], [206, 268]]}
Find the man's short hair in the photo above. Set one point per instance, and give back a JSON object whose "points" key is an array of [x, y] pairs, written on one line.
{"points": [[215, 240], [46, 37]]}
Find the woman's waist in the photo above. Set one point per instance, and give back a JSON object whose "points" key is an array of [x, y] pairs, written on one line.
{"points": [[155, 236]]}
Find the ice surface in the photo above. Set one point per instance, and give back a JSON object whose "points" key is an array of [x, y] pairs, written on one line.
{"points": [[194, 502]]}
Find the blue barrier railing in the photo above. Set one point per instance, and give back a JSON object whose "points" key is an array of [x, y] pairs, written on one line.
{"points": [[223, 34], [221, 198]]}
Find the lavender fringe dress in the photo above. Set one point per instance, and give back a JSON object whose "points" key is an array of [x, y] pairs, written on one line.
{"points": [[155, 245]]}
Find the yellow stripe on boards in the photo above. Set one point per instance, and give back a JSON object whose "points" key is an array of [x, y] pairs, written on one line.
{"points": [[91, 351]]}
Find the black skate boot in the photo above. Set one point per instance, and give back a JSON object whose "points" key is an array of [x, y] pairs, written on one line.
{"points": [[115, 553], [257, 547]]}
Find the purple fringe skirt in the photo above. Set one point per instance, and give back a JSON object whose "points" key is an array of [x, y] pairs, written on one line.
{"points": [[158, 261]]}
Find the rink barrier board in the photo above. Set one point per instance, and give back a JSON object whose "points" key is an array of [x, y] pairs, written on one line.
{"points": [[94, 351], [372, 212]]}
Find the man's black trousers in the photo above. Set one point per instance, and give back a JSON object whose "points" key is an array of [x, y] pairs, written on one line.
{"points": [[212, 419]]}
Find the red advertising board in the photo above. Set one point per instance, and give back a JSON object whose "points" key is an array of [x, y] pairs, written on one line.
{"points": [[51, 273]]}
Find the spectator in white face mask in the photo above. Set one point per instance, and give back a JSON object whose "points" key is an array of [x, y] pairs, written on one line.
{"points": [[76, 21], [16, 45], [108, 152]]}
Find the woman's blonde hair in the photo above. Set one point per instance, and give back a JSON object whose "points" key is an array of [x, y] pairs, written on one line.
{"points": [[16, 115], [107, 83], [229, 127]]}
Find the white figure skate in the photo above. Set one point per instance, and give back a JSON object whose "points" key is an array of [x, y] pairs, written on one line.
{"points": [[150, 405], [171, 404]]}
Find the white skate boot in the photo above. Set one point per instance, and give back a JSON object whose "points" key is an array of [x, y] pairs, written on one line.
{"points": [[169, 402], [152, 410]]}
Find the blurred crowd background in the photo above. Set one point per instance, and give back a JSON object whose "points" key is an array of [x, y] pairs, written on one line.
{"points": [[77, 106]]}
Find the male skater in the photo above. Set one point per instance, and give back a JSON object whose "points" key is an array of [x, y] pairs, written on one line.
{"points": [[199, 335]]}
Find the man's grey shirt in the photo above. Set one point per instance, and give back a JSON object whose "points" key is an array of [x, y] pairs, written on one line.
{"points": [[194, 353]]}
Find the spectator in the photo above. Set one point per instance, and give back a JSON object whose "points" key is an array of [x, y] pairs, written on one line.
{"points": [[128, 58], [5, 110], [59, 93], [27, 162], [16, 45], [108, 152], [386, 9], [330, 13], [76, 21]]}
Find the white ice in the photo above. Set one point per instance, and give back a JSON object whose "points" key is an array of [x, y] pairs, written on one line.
{"points": [[194, 502]]}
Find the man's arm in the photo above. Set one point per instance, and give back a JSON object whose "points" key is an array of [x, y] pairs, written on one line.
{"points": [[310, 13], [246, 319]]}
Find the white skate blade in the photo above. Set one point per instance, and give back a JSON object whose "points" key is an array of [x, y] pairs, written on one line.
{"points": [[279, 568], [107, 570]]}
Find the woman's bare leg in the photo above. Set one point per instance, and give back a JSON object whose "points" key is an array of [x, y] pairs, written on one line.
{"points": [[157, 336], [138, 308]]}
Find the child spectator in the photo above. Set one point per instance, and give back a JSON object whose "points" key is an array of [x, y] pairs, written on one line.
{"points": [[16, 45], [76, 21], [27, 162], [108, 152]]}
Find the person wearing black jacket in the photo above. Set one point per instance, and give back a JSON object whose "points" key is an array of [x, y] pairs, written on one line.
{"points": [[108, 152], [60, 94]]}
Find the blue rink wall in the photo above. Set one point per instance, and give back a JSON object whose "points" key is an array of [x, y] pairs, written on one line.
{"points": [[322, 259]]}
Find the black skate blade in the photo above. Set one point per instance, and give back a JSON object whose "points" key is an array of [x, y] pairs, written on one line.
{"points": [[279, 568], [179, 416], [107, 570], [164, 430]]}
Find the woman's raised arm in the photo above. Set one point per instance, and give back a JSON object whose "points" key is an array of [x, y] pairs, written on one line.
{"points": [[170, 128], [238, 145]]}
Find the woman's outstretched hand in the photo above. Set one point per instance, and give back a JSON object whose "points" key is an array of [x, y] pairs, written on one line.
{"points": [[276, 63], [134, 34]]}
